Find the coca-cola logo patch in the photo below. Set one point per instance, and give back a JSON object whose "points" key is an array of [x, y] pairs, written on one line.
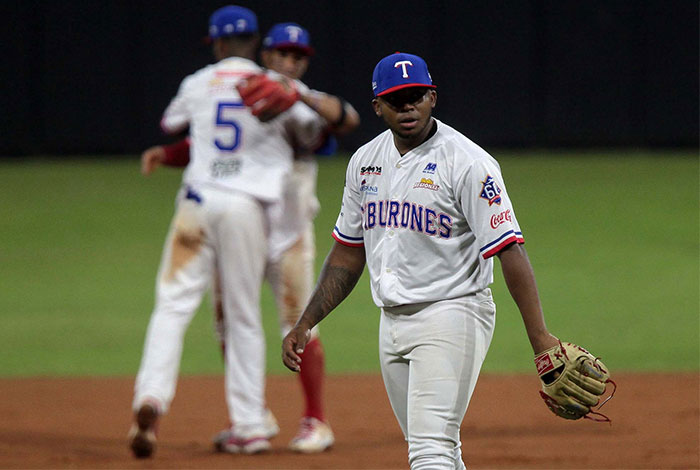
{"points": [[500, 218]]}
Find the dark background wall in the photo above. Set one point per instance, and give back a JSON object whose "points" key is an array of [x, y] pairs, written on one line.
{"points": [[94, 77]]}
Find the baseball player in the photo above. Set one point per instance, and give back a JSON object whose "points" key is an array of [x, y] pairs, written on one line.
{"points": [[427, 210], [287, 50], [237, 171]]}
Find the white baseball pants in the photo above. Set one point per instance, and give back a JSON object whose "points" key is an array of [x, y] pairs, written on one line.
{"points": [[430, 356], [210, 228]]}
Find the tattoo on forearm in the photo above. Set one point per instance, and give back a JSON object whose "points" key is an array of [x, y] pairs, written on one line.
{"points": [[335, 284]]}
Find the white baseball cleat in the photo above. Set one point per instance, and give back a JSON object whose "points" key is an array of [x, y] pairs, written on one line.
{"points": [[234, 441], [243, 444], [313, 436]]}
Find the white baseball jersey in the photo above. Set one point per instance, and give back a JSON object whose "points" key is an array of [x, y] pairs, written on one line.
{"points": [[234, 148], [293, 215], [236, 162], [429, 220], [305, 204]]}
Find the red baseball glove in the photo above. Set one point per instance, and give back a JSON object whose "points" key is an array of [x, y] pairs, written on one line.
{"points": [[266, 97]]}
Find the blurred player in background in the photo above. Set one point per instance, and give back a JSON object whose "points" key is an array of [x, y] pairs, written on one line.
{"points": [[236, 175], [287, 50], [426, 209]]}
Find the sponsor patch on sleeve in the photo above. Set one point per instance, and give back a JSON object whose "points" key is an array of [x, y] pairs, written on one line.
{"points": [[501, 218]]}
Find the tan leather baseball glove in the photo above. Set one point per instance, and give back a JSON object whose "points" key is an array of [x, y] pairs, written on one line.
{"points": [[573, 382]]}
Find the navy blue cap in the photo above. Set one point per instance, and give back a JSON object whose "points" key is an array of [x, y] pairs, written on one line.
{"points": [[400, 70], [232, 20], [288, 36]]}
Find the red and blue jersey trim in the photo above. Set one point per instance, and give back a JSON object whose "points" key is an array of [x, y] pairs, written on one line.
{"points": [[501, 242], [347, 240]]}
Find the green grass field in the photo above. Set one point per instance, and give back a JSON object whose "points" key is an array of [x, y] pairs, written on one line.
{"points": [[613, 237]]}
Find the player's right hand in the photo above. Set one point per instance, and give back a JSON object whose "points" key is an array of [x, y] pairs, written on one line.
{"points": [[293, 345], [151, 159]]}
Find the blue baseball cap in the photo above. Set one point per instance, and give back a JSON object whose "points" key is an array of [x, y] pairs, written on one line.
{"points": [[400, 70], [288, 36], [232, 20]]}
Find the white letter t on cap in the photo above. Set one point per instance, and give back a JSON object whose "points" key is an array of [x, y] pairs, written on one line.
{"points": [[293, 32], [403, 64]]}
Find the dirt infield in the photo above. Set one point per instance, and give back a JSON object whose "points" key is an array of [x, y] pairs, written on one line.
{"points": [[82, 423]]}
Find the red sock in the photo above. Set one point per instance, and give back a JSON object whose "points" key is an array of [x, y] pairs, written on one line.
{"points": [[311, 377]]}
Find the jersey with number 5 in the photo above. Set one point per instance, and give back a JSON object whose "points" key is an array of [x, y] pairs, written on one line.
{"points": [[230, 148]]}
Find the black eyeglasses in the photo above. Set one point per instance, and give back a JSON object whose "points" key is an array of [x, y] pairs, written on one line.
{"points": [[400, 98]]}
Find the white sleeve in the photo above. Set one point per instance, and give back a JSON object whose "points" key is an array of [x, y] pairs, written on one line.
{"points": [[487, 207], [348, 227], [177, 116], [302, 87], [307, 128]]}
